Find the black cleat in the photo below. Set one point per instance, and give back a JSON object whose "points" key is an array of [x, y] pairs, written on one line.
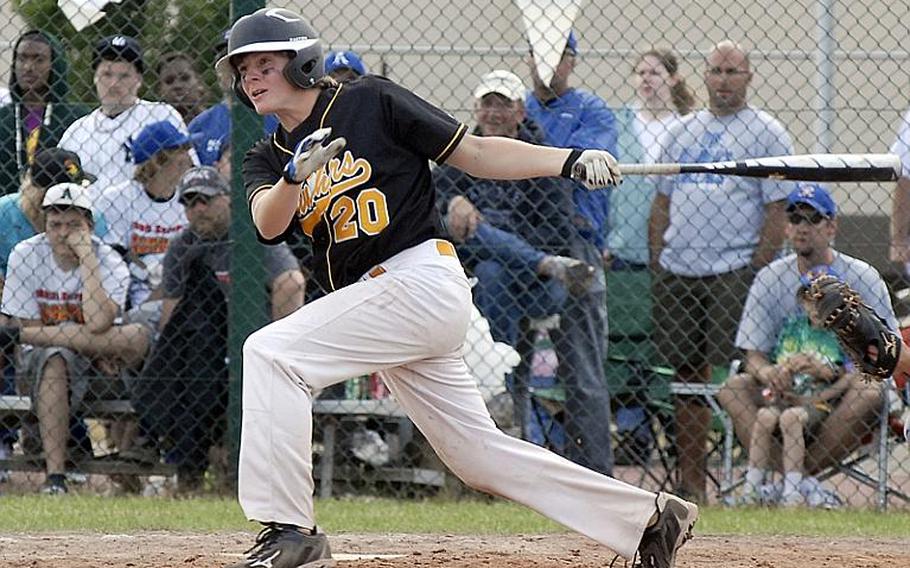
{"points": [[287, 546], [673, 528]]}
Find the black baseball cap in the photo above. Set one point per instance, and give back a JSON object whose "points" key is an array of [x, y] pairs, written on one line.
{"points": [[204, 180], [119, 48], [56, 165]]}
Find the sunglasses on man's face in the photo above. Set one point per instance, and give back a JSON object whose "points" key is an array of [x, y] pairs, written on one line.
{"points": [[813, 218], [194, 199]]}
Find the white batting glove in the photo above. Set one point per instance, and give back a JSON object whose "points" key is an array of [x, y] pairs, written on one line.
{"points": [[595, 169], [311, 154]]}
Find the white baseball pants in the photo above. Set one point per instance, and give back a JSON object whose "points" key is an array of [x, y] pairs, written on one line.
{"points": [[408, 323]]}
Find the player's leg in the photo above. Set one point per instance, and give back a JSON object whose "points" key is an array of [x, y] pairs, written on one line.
{"points": [[443, 401], [404, 315]]}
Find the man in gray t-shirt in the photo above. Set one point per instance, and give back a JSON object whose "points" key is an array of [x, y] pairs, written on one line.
{"points": [[181, 396], [708, 234], [772, 304]]}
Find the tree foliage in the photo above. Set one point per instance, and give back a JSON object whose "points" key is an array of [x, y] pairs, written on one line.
{"points": [[161, 26]]}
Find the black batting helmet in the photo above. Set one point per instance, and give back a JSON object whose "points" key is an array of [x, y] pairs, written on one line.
{"points": [[275, 29]]}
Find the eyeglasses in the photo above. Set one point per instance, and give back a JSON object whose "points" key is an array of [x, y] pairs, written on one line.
{"points": [[731, 72], [813, 218], [191, 200]]}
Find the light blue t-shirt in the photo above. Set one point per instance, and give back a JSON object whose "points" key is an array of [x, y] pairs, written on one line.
{"points": [[716, 221], [772, 299], [17, 227]]}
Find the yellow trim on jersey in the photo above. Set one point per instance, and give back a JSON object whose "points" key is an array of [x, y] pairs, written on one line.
{"points": [[257, 190], [329, 107], [328, 252], [279, 146], [461, 128]]}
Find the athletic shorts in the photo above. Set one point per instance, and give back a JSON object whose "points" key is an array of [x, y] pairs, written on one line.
{"points": [[696, 318], [86, 382]]}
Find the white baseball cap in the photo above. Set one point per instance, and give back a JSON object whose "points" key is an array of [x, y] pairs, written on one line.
{"points": [[64, 195], [501, 82]]}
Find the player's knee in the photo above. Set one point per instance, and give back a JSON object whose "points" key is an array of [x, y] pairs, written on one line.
{"points": [[736, 388], [793, 418], [256, 345]]}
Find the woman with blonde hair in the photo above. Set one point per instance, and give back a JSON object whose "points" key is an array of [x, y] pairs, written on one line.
{"points": [[663, 98]]}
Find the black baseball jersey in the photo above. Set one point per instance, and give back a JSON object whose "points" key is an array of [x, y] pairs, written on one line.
{"points": [[376, 198]]}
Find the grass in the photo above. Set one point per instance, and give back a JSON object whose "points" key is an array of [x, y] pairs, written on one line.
{"points": [[33, 514]]}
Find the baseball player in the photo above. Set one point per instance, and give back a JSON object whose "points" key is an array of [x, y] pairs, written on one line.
{"points": [[349, 167]]}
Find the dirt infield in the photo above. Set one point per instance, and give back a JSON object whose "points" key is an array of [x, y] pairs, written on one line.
{"points": [[173, 550]]}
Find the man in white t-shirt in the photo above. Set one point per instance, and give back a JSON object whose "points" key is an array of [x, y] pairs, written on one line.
{"points": [[64, 291], [102, 137]]}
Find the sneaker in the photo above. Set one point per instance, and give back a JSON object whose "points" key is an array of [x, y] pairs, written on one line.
{"points": [[52, 488], [287, 546], [576, 275], [792, 500], [673, 528]]}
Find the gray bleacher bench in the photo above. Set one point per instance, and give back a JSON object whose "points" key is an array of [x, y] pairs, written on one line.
{"points": [[328, 414]]}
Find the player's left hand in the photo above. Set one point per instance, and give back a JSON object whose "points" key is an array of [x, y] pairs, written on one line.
{"points": [[864, 336], [311, 154], [595, 169]]}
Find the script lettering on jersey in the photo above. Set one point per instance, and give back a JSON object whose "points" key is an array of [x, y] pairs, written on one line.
{"points": [[337, 177]]}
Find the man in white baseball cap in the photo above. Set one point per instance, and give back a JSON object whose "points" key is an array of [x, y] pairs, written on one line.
{"points": [[64, 289]]}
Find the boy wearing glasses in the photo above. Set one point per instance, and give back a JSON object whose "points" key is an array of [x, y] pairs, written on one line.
{"points": [[770, 312]]}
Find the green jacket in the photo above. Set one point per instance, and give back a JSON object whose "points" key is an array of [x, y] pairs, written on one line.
{"points": [[60, 112]]}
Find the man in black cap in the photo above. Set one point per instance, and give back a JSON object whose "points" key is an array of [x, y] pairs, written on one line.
{"points": [[101, 137], [181, 395]]}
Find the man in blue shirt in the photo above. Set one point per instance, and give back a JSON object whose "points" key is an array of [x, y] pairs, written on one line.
{"points": [[574, 118]]}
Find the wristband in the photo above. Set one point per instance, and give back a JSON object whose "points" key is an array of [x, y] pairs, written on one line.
{"points": [[570, 161]]}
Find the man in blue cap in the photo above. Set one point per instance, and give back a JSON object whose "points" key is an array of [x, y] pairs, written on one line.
{"points": [[344, 66], [771, 311]]}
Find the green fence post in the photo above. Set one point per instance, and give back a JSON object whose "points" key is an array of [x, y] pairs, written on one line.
{"points": [[248, 290]]}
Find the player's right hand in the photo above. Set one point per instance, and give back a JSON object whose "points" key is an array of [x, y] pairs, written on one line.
{"points": [[595, 169], [312, 154]]}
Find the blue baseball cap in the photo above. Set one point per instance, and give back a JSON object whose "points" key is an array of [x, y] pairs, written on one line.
{"points": [[572, 43], [344, 60], [815, 196], [154, 138]]}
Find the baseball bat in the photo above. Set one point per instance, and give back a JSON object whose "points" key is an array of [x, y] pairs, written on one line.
{"points": [[805, 167]]}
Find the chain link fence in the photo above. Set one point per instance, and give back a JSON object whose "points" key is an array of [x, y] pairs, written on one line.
{"points": [[708, 379]]}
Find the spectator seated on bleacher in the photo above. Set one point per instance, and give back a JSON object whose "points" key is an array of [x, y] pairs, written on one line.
{"points": [[772, 309], [64, 292], [181, 394], [519, 239]]}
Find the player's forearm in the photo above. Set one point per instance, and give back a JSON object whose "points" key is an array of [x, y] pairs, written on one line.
{"points": [[495, 157], [274, 208]]}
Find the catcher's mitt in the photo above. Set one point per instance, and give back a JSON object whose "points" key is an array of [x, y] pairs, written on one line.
{"points": [[864, 336]]}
